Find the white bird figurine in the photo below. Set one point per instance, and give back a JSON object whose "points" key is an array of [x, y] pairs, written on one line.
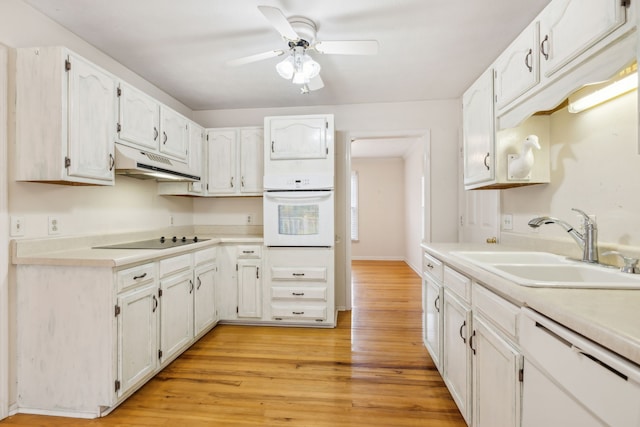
{"points": [[520, 165]]}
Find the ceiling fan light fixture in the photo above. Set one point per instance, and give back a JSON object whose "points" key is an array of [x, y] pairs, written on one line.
{"points": [[286, 68], [310, 68]]}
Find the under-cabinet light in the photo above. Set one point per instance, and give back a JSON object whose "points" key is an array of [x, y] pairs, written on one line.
{"points": [[607, 92]]}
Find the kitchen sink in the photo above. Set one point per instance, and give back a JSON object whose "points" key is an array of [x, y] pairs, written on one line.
{"points": [[543, 269]]}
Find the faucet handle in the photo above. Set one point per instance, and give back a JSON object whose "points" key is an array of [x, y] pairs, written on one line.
{"points": [[587, 219], [630, 263]]}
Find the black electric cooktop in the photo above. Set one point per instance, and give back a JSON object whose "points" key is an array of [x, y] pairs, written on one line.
{"points": [[161, 243]]}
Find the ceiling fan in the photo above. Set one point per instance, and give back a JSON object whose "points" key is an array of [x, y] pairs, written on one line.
{"points": [[300, 35]]}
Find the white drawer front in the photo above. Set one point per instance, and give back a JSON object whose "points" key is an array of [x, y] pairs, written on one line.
{"points": [[432, 266], [249, 251], [597, 378], [298, 312], [204, 255], [457, 283], [175, 264], [299, 293], [132, 277], [299, 273], [496, 309]]}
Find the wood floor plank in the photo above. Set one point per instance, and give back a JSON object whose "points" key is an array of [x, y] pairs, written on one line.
{"points": [[371, 370]]}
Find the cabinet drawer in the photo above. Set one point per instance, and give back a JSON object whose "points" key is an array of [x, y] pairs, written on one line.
{"points": [[299, 293], [317, 274], [175, 264], [249, 251], [432, 266], [597, 378], [298, 312], [204, 255], [132, 277], [457, 283], [496, 309]]}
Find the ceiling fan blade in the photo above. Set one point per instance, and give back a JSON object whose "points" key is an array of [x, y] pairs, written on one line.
{"points": [[279, 22], [315, 83], [355, 47], [254, 58]]}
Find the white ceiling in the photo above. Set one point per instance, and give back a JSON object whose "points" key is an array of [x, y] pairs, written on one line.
{"points": [[429, 49]]}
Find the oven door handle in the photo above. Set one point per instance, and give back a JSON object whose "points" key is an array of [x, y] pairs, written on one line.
{"points": [[280, 197]]}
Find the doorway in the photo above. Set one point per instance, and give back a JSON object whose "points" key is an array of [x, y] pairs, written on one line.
{"points": [[401, 156]]}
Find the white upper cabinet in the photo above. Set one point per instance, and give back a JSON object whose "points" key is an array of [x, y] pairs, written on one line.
{"points": [[479, 132], [197, 161], [570, 27], [517, 69], [65, 118], [235, 161], [145, 123]]}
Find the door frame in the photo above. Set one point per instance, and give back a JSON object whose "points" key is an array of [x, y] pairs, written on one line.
{"points": [[4, 237], [424, 135]]}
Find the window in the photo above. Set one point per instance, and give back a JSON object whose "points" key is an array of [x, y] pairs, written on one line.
{"points": [[354, 206]]}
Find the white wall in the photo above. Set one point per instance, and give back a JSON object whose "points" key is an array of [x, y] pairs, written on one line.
{"points": [[381, 204], [595, 166], [413, 173], [4, 237]]}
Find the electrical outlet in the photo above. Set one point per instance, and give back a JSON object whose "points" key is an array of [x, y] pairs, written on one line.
{"points": [[17, 226], [507, 222], [249, 219], [54, 225]]}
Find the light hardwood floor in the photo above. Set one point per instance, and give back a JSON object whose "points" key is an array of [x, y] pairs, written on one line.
{"points": [[371, 370]]}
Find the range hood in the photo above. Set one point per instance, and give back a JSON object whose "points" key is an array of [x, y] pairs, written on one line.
{"points": [[148, 165]]}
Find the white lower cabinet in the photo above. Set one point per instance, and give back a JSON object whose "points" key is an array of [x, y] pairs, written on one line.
{"points": [[249, 288], [176, 306], [432, 297], [88, 337], [239, 292], [300, 286]]}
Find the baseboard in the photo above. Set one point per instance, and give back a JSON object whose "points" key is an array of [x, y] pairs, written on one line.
{"points": [[376, 258]]}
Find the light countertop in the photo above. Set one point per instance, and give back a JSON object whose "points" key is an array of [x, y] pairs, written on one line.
{"points": [[609, 317]]}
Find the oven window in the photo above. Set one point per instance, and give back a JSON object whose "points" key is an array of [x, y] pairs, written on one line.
{"points": [[298, 220]]}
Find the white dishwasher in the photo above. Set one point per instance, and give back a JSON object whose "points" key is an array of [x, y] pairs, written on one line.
{"points": [[571, 381]]}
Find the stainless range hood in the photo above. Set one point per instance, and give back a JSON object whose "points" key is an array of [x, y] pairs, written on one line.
{"points": [[148, 165]]}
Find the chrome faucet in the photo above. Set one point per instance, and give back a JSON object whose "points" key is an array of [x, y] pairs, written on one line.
{"points": [[588, 241]]}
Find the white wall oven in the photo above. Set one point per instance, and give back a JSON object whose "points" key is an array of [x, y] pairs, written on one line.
{"points": [[298, 218]]}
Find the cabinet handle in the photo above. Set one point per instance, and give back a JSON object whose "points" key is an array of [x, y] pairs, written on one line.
{"points": [[257, 272], [191, 286], [248, 252], [297, 274], [297, 312], [155, 304], [155, 133], [473, 334], [242, 181], [543, 50], [485, 161], [272, 149], [527, 60], [199, 283], [112, 162], [231, 182], [142, 276], [164, 137], [297, 294], [435, 304], [430, 266], [464, 339]]}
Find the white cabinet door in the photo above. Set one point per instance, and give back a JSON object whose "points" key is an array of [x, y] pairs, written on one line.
{"points": [[137, 335], [138, 119], [92, 118], [569, 27], [298, 138], [517, 68], [176, 313], [251, 160], [457, 353], [197, 159], [204, 305], [432, 303], [249, 288], [221, 176], [496, 386], [479, 130], [174, 138]]}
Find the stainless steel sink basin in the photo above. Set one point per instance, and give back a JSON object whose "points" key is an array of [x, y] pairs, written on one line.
{"points": [[543, 269]]}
